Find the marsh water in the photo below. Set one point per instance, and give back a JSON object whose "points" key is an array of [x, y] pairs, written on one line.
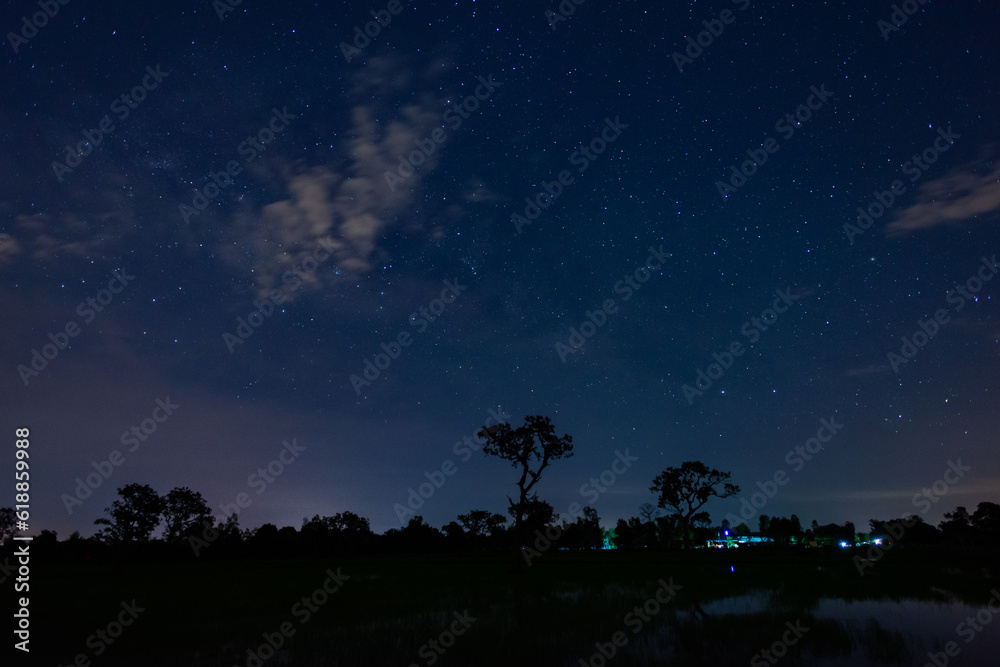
{"points": [[882, 631], [757, 609]]}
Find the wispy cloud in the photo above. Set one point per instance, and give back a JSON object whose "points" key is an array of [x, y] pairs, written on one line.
{"points": [[9, 249], [980, 491], [872, 369], [961, 195], [43, 237], [348, 207], [476, 192]]}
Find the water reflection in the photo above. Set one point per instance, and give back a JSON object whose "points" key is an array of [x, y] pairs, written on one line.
{"points": [[880, 631]]}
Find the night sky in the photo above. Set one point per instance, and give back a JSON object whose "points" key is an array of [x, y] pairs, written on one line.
{"points": [[225, 164]]}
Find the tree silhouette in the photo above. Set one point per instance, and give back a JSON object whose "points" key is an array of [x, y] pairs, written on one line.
{"points": [[585, 532], [343, 530], [782, 530], [635, 534], [264, 535], [454, 532], [648, 512], [986, 522], [7, 518], [185, 512], [482, 523], [535, 515], [350, 525], [133, 517], [911, 530], [417, 535], [532, 448], [957, 526], [686, 489]]}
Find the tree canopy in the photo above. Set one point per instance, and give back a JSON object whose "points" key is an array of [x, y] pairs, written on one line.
{"points": [[686, 489], [531, 448], [134, 516]]}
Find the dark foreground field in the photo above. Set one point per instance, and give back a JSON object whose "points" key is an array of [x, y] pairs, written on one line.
{"points": [[720, 608]]}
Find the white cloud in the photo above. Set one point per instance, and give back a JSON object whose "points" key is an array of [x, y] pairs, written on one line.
{"points": [[350, 208], [958, 196]]}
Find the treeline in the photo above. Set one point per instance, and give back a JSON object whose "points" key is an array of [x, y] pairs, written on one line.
{"points": [[180, 525], [958, 529], [185, 529]]}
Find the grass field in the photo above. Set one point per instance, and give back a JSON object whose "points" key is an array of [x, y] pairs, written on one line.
{"points": [[729, 606]]}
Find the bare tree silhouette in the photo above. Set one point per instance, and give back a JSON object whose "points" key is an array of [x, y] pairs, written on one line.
{"points": [[532, 448]]}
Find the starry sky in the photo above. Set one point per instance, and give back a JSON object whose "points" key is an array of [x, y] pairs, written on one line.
{"points": [[215, 216]]}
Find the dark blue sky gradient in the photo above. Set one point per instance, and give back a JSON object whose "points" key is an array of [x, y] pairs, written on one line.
{"points": [[323, 179]]}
